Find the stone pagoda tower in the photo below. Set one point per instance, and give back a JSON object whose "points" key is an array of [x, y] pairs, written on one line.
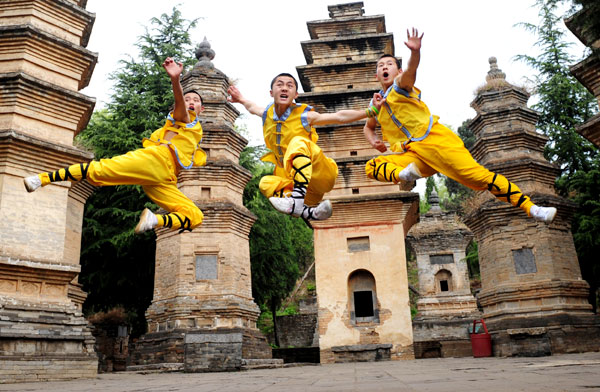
{"points": [[533, 297], [202, 315], [360, 263], [43, 65], [446, 305], [587, 71]]}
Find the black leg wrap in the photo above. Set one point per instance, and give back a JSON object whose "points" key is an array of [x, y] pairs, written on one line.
{"points": [[298, 193], [506, 195], [84, 170], [168, 221], [185, 224], [299, 170], [492, 185], [383, 167]]}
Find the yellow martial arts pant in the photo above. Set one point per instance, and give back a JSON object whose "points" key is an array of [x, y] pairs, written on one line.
{"points": [[320, 174], [444, 152], [153, 168]]}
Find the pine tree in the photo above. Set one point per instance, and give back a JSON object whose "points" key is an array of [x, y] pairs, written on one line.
{"points": [[563, 102]]}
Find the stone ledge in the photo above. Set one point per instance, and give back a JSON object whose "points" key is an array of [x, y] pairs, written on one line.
{"points": [[27, 38], [156, 368], [361, 347], [527, 331], [212, 337], [74, 109], [591, 130]]}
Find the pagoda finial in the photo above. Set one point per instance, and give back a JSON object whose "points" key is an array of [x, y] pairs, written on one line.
{"points": [[434, 202], [494, 72], [204, 54]]}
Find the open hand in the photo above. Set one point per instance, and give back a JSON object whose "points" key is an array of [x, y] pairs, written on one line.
{"points": [[235, 96], [172, 67], [413, 41], [378, 100]]}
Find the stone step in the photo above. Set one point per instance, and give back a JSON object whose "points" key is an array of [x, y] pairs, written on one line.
{"points": [[248, 364], [157, 367]]}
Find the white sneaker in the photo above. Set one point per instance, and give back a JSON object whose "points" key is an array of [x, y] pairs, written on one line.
{"points": [[322, 211], [283, 204], [410, 173], [543, 214], [147, 222], [32, 183]]}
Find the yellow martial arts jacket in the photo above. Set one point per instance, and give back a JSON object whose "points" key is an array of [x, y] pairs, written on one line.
{"points": [[279, 131], [185, 145], [404, 118]]}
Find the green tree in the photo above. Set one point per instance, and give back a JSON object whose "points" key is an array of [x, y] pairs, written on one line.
{"points": [[563, 104], [118, 266], [279, 244]]}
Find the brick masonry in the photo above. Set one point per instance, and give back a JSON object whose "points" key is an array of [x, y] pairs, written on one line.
{"points": [[43, 335], [533, 297]]}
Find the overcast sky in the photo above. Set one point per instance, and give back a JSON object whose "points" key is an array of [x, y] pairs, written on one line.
{"points": [[255, 40]]}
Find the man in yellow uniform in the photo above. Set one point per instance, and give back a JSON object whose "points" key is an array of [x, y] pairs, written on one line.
{"points": [[425, 146], [302, 174], [169, 149]]}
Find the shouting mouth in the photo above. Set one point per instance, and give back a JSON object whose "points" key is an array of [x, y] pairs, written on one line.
{"points": [[386, 74]]}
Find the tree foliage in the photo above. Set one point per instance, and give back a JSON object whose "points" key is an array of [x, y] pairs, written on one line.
{"points": [[563, 102], [118, 266]]}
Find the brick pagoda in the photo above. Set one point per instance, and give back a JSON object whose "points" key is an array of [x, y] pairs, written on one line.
{"points": [[445, 305], [43, 65], [361, 278], [533, 297]]}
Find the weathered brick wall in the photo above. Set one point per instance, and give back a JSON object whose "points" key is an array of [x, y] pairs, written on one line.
{"points": [[255, 345], [297, 330], [158, 347], [111, 348], [362, 353], [213, 352]]}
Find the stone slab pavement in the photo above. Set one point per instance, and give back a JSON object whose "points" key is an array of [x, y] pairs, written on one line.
{"points": [[567, 372]]}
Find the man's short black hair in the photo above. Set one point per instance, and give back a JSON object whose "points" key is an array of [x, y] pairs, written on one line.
{"points": [[398, 62], [284, 74], [191, 90]]}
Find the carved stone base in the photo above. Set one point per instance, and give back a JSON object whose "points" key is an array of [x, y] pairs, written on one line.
{"points": [[199, 350], [443, 337], [558, 334], [41, 343]]}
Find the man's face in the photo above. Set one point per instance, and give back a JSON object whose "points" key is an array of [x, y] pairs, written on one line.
{"points": [[387, 70], [193, 102], [284, 90]]}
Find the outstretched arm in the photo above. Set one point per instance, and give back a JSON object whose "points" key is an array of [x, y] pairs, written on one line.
{"points": [[174, 70], [406, 80], [343, 116], [235, 96]]}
